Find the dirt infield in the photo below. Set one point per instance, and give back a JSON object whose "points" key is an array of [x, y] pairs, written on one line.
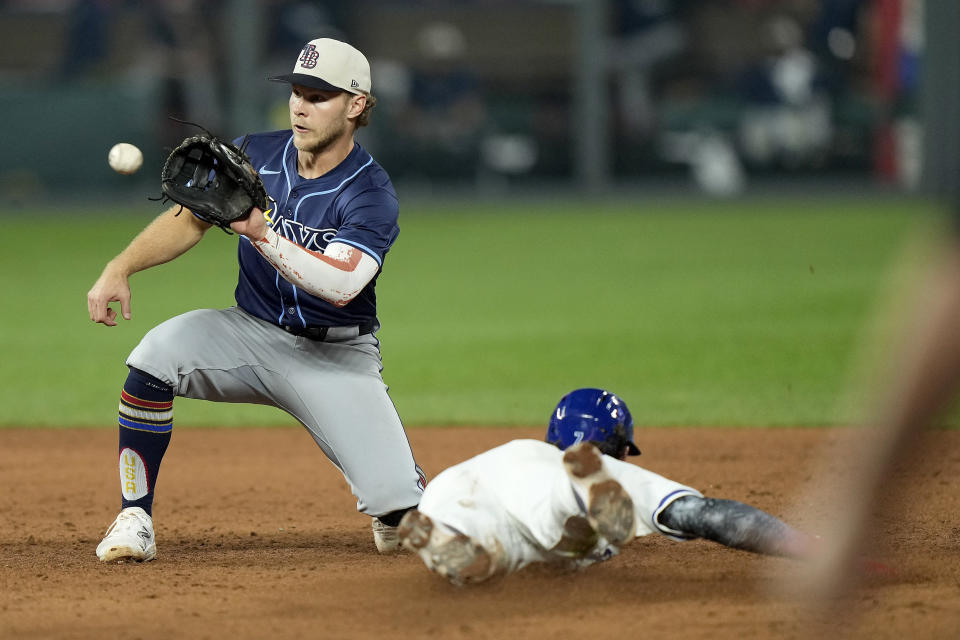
{"points": [[258, 537]]}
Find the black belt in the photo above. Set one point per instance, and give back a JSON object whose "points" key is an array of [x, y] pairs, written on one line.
{"points": [[320, 333]]}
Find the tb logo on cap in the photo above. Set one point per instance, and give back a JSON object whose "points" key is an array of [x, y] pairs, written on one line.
{"points": [[309, 57]]}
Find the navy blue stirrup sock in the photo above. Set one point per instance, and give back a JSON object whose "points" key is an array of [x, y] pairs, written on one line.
{"points": [[146, 423]]}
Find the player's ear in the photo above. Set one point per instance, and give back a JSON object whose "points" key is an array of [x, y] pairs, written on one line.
{"points": [[356, 105]]}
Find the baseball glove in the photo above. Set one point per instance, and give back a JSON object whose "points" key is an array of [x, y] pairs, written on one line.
{"points": [[214, 179]]}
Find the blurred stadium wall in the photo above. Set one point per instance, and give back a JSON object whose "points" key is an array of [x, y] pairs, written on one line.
{"points": [[480, 95]]}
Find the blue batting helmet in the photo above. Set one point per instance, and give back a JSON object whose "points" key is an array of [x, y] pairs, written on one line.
{"points": [[596, 416]]}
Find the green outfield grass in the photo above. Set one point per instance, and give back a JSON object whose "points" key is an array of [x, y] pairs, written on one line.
{"points": [[742, 313]]}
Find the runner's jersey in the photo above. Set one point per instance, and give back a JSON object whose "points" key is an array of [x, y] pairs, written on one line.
{"points": [[355, 204]]}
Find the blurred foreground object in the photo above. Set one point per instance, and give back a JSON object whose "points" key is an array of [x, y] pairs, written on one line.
{"points": [[921, 373], [920, 379]]}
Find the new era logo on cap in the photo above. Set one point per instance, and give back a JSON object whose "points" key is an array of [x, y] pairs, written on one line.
{"points": [[330, 65]]}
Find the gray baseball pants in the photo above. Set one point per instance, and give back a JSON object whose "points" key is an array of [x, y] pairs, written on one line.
{"points": [[334, 388]]}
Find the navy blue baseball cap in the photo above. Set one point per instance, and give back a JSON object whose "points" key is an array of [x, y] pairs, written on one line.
{"points": [[330, 65]]}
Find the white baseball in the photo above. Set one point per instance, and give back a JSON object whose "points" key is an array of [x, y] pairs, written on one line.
{"points": [[125, 158]]}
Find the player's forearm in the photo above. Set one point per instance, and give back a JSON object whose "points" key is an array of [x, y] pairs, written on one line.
{"points": [[736, 525], [336, 278], [167, 237]]}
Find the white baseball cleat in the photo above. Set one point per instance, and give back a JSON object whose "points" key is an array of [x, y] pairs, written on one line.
{"points": [[130, 537], [609, 507], [452, 555], [385, 536]]}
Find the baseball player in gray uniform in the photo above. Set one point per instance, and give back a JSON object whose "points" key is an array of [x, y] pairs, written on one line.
{"points": [[572, 500], [302, 336]]}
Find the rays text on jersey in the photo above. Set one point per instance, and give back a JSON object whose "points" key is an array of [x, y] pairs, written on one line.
{"points": [[306, 237]]}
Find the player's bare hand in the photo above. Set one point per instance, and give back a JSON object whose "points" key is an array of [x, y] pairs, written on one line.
{"points": [[111, 286], [254, 226]]}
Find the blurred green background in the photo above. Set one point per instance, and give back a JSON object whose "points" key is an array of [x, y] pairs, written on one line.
{"points": [[741, 312], [700, 206]]}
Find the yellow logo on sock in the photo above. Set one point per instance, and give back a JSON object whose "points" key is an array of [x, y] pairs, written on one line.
{"points": [[133, 475]]}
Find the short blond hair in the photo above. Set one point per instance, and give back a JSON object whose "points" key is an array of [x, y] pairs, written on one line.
{"points": [[364, 118]]}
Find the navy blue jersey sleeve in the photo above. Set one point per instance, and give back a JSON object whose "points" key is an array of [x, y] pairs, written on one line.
{"points": [[354, 203], [370, 223]]}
